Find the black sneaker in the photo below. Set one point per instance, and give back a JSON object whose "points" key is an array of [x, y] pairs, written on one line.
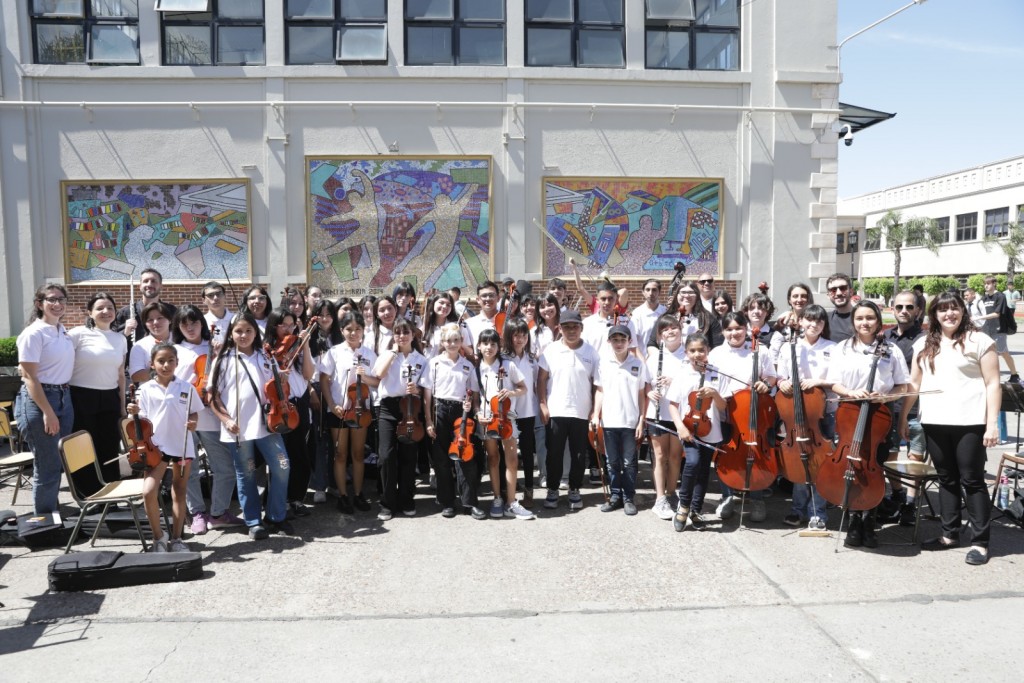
{"points": [[697, 521], [448, 513], [258, 532], [792, 520], [595, 477], [361, 503], [1014, 378], [611, 505], [477, 513], [908, 514], [345, 505], [285, 527], [629, 507], [299, 509], [855, 534]]}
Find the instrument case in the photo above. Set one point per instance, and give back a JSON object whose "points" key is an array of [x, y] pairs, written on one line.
{"points": [[96, 569]]}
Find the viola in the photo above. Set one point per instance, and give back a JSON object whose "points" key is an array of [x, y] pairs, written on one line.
{"points": [[749, 461], [506, 312], [500, 425], [357, 416], [697, 420], [282, 415], [803, 449], [461, 447], [851, 476], [410, 429], [143, 453]]}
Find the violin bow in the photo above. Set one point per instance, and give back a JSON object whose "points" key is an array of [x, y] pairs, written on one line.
{"points": [[184, 445], [886, 396], [694, 438]]}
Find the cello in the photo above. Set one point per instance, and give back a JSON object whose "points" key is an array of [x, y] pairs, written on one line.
{"points": [[410, 429], [803, 448], [143, 453], [356, 416], [499, 424], [749, 461], [282, 415], [461, 447], [851, 476]]}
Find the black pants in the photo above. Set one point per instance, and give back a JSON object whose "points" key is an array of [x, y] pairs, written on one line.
{"points": [[451, 472], [300, 449], [98, 411], [527, 448], [395, 460], [959, 456], [560, 430]]}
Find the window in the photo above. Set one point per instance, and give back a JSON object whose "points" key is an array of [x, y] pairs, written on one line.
{"points": [[840, 242], [222, 32], [943, 225], [966, 227], [454, 32], [1020, 213], [873, 243], [693, 34], [997, 222], [588, 33], [851, 241], [85, 31], [333, 31]]}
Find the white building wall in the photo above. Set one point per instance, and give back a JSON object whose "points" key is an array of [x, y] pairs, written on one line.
{"points": [[778, 211]]}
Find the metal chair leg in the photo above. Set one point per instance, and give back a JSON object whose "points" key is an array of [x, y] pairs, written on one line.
{"points": [[78, 527]]}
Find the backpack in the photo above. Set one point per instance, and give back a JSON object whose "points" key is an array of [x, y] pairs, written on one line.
{"points": [[1006, 321]]}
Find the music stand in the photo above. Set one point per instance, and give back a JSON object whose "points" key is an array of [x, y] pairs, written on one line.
{"points": [[1013, 402]]}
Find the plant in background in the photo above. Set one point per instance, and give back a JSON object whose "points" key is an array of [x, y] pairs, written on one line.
{"points": [[8, 352], [977, 282], [1011, 243], [902, 232]]}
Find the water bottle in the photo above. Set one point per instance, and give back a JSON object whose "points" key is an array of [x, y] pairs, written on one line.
{"points": [[1004, 492]]}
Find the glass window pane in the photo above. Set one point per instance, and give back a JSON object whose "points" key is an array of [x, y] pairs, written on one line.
{"points": [[363, 44], [601, 11], [718, 51], [309, 9], [481, 45], [187, 45], [182, 5], [602, 48], [58, 8], [429, 9], [717, 13], [110, 43], [428, 45], [486, 10], [115, 8], [310, 45], [240, 45], [678, 10], [549, 47], [240, 9], [60, 44], [549, 10], [364, 10], [668, 49]]}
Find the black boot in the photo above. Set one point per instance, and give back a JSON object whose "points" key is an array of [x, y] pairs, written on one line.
{"points": [[870, 539], [854, 534]]}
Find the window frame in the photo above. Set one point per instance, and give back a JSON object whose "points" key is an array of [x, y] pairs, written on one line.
{"points": [[997, 230], [692, 29], [214, 23], [575, 26], [337, 22], [962, 227], [85, 21], [455, 25], [840, 243]]}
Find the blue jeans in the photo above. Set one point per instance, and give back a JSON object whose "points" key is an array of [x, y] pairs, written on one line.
{"points": [[222, 465], [1001, 421], [693, 483], [244, 455], [620, 449], [47, 467]]}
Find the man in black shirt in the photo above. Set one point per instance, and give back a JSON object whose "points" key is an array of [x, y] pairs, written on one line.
{"points": [[840, 319], [994, 305], [127, 320]]}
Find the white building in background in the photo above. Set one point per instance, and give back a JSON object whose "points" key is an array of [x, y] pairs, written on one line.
{"points": [[246, 89], [967, 205]]}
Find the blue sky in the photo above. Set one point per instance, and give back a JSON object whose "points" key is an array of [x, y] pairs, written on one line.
{"points": [[952, 70]]}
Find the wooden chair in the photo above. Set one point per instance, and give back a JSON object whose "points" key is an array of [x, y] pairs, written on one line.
{"points": [[81, 465], [1015, 460], [13, 465]]}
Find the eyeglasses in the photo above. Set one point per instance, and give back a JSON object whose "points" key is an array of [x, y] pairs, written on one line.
{"points": [[55, 299], [706, 282], [838, 288], [904, 307]]}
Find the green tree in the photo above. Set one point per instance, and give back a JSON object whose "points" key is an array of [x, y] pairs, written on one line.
{"points": [[1011, 244], [977, 282], [900, 232]]}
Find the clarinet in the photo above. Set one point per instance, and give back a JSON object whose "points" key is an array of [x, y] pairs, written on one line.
{"points": [[661, 361]]}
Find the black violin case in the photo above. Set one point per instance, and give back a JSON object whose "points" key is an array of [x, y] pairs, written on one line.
{"points": [[96, 569]]}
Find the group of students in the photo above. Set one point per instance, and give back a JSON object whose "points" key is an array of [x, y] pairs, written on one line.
{"points": [[533, 374]]}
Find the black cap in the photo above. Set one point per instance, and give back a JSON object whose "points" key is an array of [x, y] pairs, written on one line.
{"points": [[524, 288], [619, 329], [570, 316]]}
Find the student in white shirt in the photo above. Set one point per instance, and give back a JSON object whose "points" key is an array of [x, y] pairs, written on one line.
{"points": [[217, 315], [595, 327], [237, 396], [516, 346], [620, 401], [172, 406], [156, 317], [326, 334], [441, 312], [487, 295], [647, 313], [385, 313], [256, 301], [665, 361]]}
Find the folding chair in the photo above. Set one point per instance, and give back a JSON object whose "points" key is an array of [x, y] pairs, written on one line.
{"points": [[13, 465], [78, 456]]}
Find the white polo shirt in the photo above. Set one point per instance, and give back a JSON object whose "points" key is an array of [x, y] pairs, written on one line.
{"points": [[394, 381], [595, 332], [526, 405], [449, 380], [738, 363], [168, 409], [188, 354], [99, 357], [51, 348], [477, 324], [235, 389], [621, 384], [672, 365], [685, 383], [643, 319], [138, 357], [812, 362], [571, 375], [489, 380], [221, 324], [850, 367], [340, 365]]}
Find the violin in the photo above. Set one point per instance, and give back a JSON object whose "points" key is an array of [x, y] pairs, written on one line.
{"points": [[199, 381], [697, 419], [506, 311], [357, 416], [851, 476], [595, 434], [749, 462], [410, 429], [803, 449], [291, 345], [143, 453], [500, 425], [282, 415], [461, 447]]}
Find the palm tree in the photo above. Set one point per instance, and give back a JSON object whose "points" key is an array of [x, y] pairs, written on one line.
{"points": [[910, 232], [1012, 244]]}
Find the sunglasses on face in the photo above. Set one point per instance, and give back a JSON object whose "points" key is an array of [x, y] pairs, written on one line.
{"points": [[904, 307], [705, 282], [840, 288]]}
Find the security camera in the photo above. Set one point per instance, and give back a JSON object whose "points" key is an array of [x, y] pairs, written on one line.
{"points": [[848, 136]]}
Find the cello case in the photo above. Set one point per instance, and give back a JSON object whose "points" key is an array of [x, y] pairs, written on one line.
{"points": [[96, 569]]}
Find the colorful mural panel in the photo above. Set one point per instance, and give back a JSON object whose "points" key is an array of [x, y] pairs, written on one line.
{"points": [[632, 227], [374, 222], [188, 230]]}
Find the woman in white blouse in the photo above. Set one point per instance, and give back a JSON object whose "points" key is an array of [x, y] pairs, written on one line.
{"points": [[97, 382], [959, 421]]}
